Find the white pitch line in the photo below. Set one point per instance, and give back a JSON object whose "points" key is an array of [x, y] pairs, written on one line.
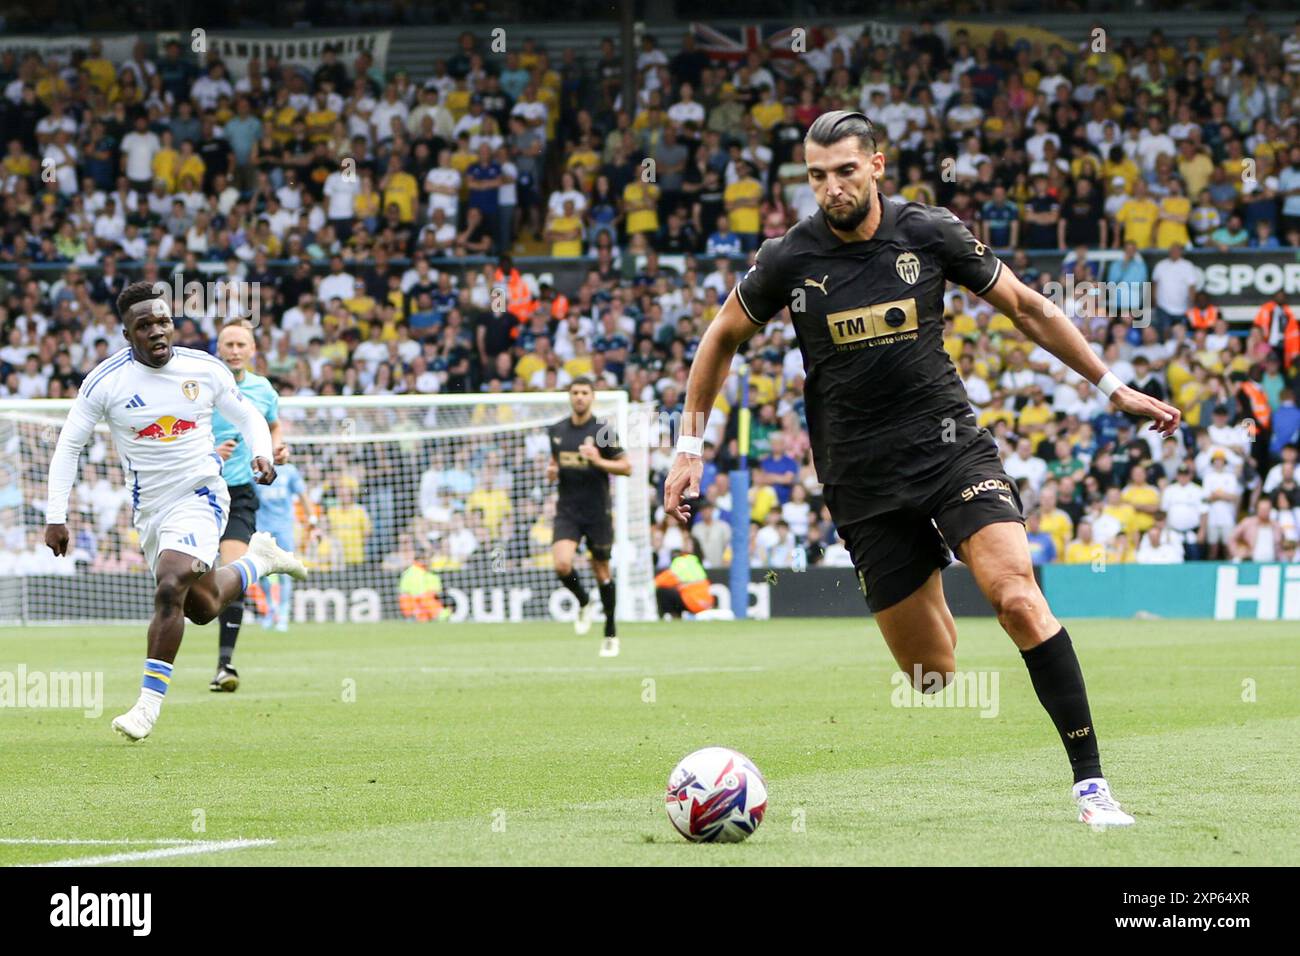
{"points": [[15, 841], [188, 850], [590, 670]]}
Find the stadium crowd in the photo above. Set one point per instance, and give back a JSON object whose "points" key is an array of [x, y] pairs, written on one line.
{"points": [[371, 186]]}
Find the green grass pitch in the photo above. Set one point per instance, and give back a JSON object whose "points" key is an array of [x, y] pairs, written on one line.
{"points": [[481, 744]]}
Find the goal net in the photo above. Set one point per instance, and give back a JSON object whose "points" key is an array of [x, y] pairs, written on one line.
{"points": [[455, 484]]}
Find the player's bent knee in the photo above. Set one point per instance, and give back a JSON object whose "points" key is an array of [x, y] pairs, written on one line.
{"points": [[1018, 604], [171, 592]]}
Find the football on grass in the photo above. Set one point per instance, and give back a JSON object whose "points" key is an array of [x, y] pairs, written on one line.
{"points": [[716, 795]]}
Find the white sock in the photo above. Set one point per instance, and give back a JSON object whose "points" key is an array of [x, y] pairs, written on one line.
{"points": [[151, 702]]}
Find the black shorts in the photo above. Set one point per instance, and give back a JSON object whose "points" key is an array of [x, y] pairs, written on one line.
{"points": [[898, 539], [243, 514], [597, 529]]}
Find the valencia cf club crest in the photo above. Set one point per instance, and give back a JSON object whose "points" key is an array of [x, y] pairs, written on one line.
{"points": [[909, 267], [190, 390]]}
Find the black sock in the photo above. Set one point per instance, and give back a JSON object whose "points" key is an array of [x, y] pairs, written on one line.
{"points": [[607, 599], [1058, 681], [231, 618], [574, 584]]}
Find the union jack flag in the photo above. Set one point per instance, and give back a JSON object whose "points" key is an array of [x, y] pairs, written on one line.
{"points": [[733, 44]]}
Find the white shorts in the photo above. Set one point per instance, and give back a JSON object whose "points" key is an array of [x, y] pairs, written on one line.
{"points": [[190, 523], [1216, 533]]}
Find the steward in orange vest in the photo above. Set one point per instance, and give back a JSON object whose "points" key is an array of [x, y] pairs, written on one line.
{"points": [[1260, 411], [519, 298], [683, 586], [1204, 314], [1281, 330]]}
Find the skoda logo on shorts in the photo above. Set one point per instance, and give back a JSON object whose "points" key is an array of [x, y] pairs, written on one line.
{"points": [[909, 267]]}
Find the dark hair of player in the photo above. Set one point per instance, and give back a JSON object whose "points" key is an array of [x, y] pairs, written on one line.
{"points": [[583, 380], [135, 292], [836, 125]]}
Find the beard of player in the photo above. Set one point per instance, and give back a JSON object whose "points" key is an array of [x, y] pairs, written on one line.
{"points": [[847, 217]]}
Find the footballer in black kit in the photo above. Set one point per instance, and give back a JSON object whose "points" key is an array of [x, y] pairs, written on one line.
{"points": [[908, 475], [584, 453], [893, 434]]}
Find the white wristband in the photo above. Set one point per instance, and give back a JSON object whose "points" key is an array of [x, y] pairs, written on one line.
{"points": [[690, 445], [1109, 383]]}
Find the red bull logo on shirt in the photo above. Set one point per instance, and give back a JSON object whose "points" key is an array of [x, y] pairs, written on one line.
{"points": [[167, 428]]}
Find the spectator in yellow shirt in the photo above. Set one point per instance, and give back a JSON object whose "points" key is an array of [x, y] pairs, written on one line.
{"points": [[1119, 509], [1137, 217], [584, 162], [1053, 520], [762, 499], [190, 165], [742, 199], [640, 203], [565, 233], [102, 73], [1032, 418], [320, 119], [1120, 165], [1083, 550], [494, 504], [767, 112], [1144, 499], [1120, 550], [1194, 166], [580, 364], [996, 412], [167, 162], [400, 189], [1175, 210], [349, 521]]}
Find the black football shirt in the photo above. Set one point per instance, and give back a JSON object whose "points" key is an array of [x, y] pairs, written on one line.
{"points": [[584, 488], [883, 400]]}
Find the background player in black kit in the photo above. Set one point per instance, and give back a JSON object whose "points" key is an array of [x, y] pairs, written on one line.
{"points": [[584, 453], [893, 435]]}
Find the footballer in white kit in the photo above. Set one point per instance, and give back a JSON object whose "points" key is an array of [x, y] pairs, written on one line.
{"points": [[158, 401]]}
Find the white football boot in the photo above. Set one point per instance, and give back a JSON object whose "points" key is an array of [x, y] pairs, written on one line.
{"points": [[275, 559], [609, 647], [136, 724], [1097, 807], [582, 623]]}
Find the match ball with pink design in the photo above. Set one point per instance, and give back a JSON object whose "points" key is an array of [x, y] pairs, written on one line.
{"points": [[716, 795]]}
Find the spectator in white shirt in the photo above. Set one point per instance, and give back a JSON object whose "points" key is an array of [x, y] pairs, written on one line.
{"points": [[1175, 284], [1160, 544], [338, 284], [209, 88], [1183, 501], [1025, 464], [341, 189], [442, 184], [1223, 496]]}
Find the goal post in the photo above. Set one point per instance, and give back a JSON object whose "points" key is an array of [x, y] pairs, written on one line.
{"points": [[453, 483]]}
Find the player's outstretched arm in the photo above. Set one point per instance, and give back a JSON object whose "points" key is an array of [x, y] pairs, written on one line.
{"points": [[730, 329], [76, 432], [1045, 324], [241, 413]]}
